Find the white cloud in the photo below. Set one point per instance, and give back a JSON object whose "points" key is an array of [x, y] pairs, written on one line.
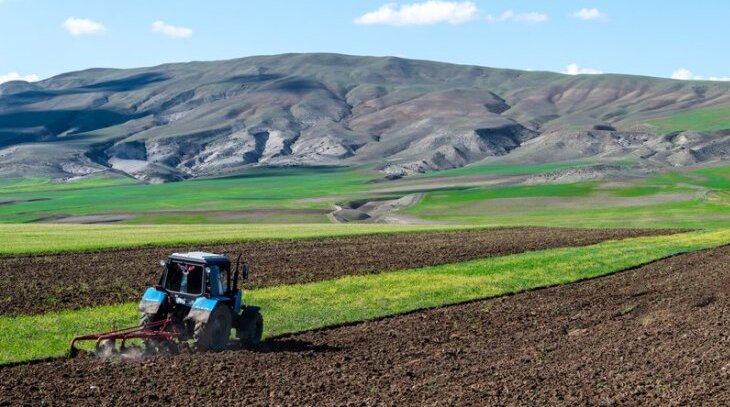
{"points": [[589, 14], [170, 30], [429, 12], [14, 76], [437, 11], [510, 15], [685, 74], [83, 26], [575, 69]]}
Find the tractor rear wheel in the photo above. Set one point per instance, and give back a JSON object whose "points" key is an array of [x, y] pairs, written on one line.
{"points": [[251, 328], [213, 334]]}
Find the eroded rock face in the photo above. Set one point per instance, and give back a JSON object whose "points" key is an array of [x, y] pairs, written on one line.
{"points": [[179, 121], [446, 149]]}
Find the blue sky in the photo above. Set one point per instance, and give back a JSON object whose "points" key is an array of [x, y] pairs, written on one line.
{"points": [[41, 38]]}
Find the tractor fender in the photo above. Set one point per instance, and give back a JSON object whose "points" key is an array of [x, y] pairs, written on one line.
{"points": [[151, 301], [201, 309], [250, 310]]}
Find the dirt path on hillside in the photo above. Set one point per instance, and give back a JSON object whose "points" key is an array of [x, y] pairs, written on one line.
{"points": [[654, 335], [38, 284]]}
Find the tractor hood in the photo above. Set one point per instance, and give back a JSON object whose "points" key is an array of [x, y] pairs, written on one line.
{"points": [[151, 301]]}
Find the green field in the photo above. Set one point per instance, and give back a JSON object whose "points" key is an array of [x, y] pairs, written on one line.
{"points": [[443, 201], [504, 169], [674, 199], [272, 188], [287, 193], [47, 238], [300, 307], [10, 186], [476, 194]]}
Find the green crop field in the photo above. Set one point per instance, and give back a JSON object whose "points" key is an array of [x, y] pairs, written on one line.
{"points": [[445, 200], [504, 169], [9, 186], [48, 238], [474, 195], [271, 188], [293, 308], [678, 200]]}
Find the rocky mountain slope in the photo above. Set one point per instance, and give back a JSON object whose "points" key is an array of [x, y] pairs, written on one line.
{"points": [[183, 120]]}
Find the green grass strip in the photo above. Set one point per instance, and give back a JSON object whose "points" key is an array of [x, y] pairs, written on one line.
{"points": [[301, 307], [50, 238]]}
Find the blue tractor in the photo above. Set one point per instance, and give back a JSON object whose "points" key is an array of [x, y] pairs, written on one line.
{"points": [[197, 299]]}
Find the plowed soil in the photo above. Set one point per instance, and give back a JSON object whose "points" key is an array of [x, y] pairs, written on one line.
{"points": [[654, 335], [38, 284]]}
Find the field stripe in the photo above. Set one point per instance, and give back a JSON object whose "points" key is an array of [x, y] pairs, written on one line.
{"points": [[293, 308], [50, 238]]}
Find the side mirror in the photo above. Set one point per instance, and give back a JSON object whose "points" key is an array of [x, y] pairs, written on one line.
{"points": [[163, 263]]}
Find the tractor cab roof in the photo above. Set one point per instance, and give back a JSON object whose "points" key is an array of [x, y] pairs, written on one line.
{"points": [[200, 258]]}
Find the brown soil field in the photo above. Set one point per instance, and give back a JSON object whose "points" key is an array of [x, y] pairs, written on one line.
{"points": [[654, 335], [41, 283]]}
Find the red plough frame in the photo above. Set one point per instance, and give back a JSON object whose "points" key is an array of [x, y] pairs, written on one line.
{"points": [[152, 330]]}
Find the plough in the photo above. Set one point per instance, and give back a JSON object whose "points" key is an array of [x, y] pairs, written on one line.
{"points": [[149, 332]]}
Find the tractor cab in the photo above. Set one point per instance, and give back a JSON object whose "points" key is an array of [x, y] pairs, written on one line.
{"points": [[187, 276], [197, 279]]}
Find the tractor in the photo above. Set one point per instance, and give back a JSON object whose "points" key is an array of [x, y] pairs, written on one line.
{"points": [[197, 299]]}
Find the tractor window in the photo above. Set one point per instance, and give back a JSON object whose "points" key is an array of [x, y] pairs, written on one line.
{"points": [[184, 278], [226, 278], [213, 282]]}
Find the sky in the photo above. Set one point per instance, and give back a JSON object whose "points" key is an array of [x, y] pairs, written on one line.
{"points": [[680, 39]]}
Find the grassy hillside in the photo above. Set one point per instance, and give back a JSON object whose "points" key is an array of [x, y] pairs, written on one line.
{"points": [[703, 119], [190, 120], [283, 139]]}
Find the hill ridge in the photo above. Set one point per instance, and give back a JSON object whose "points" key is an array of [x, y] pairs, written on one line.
{"points": [[184, 120]]}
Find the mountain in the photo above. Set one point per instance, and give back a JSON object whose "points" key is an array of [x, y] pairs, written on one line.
{"points": [[401, 116]]}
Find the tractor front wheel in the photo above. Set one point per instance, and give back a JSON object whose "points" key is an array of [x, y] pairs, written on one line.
{"points": [[213, 334]]}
